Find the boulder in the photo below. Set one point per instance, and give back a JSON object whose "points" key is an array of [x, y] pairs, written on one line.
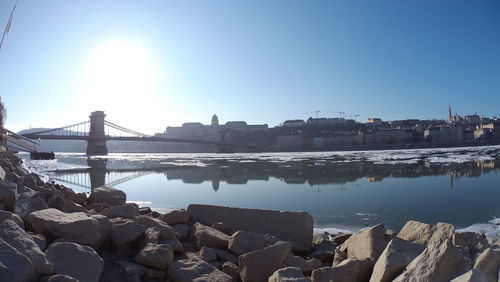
{"points": [[8, 194], [288, 274], [474, 275], [226, 256], [224, 228], [209, 237], [475, 242], [127, 210], [15, 236], [124, 231], [132, 268], [207, 254], [341, 238], [367, 243], [243, 242], [350, 270], [260, 264], [56, 202], [338, 257], [98, 207], [489, 263], [441, 261], [155, 255], [324, 249], [2, 174], [231, 269], [144, 210], [75, 227], [27, 205], [422, 233], [295, 227], [70, 206], [4, 215], [58, 278], [196, 270], [175, 217], [79, 198], [40, 240], [107, 195], [181, 231], [393, 260], [75, 260], [307, 266], [14, 266], [166, 230]]}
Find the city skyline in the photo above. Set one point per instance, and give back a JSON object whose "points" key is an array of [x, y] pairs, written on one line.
{"points": [[150, 65]]}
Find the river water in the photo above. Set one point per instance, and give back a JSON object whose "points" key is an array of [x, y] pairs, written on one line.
{"points": [[341, 190]]}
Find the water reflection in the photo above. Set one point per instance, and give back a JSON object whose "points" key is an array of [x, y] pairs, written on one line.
{"points": [[310, 173]]}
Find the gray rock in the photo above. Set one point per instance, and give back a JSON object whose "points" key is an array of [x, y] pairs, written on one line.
{"points": [[25, 206], [107, 195], [396, 256], [8, 194], [231, 269], [224, 228], [196, 270], [75, 227], [98, 207], [209, 237], [155, 255], [349, 270], [288, 274], [475, 242], [367, 243], [4, 215], [79, 198], [474, 275], [124, 231], [2, 174], [58, 278], [155, 273], [307, 266], [40, 240], [70, 206], [127, 210], [338, 257], [441, 261], [422, 233], [181, 231], [324, 249], [489, 263], [132, 268], [207, 254], [15, 236], [260, 264], [176, 245], [295, 227], [75, 260], [14, 266], [166, 230], [175, 217], [341, 238], [56, 202], [243, 242]]}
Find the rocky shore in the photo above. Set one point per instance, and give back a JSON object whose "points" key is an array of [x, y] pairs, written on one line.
{"points": [[48, 232]]}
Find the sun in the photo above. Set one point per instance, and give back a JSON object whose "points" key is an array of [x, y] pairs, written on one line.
{"points": [[119, 74]]}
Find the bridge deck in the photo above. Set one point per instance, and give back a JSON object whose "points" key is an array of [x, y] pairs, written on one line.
{"points": [[122, 138]]}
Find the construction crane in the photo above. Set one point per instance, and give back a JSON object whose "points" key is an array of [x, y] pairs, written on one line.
{"points": [[340, 113]]}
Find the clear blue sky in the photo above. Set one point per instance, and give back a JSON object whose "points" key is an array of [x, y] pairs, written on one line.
{"points": [[150, 64]]}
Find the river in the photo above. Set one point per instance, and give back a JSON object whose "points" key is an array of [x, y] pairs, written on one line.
{"points": [[341, 190]]}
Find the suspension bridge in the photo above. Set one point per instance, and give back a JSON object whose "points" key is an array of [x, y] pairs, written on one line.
{"points": [[97, 131]]}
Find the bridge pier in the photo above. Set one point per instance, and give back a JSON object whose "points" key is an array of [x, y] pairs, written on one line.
{"points": [[96, 142]]}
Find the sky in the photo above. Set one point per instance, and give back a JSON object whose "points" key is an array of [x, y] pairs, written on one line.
{"points": [[156, 63]]}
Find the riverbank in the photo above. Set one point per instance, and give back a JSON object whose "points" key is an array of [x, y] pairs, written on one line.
{"points": [[47, 230]]}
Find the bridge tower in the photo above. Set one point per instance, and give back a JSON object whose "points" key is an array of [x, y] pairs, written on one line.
{"points": [[96, 143]]}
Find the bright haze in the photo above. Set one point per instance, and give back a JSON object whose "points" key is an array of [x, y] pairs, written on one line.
{"points": [[150, 64]]}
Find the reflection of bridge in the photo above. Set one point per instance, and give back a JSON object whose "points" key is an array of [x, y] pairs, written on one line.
{"points": [[97, 131]]}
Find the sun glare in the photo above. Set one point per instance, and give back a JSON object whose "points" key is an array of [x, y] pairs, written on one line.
{"points": [[120, 74]]}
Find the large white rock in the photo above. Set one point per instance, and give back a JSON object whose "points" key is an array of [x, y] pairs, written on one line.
{"points": [[124, 231], [166, 230], [107, 195], [196, 270], [127, 210], [295, 227], [396, 256], [260, 264], [367, 243], [11, 233], [349, 270], [155, 255], [14, 266], [441, 261], [422, 233], [75, 260], [76, 227], [288, 274], [210, 237]]}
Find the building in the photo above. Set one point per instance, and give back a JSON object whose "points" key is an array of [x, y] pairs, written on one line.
{"points": [[374, 121], [325, 121], [294, 123], [388, 136]]}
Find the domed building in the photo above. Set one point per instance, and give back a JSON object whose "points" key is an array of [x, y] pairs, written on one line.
{"points": [[215, 120]]}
